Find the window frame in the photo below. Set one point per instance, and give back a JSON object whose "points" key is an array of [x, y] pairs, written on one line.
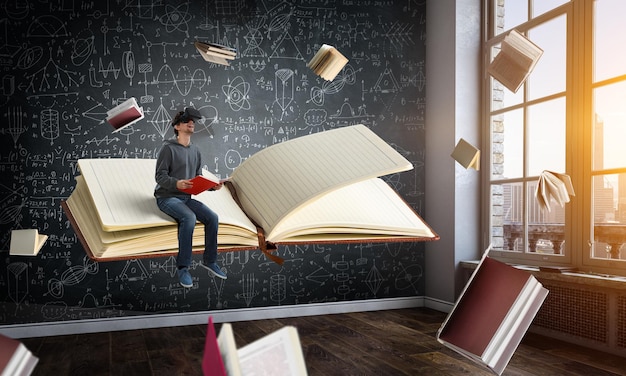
{"points": [[578, 95]]}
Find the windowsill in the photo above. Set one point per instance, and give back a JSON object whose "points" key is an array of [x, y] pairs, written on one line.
{"points": [[581, 278]]}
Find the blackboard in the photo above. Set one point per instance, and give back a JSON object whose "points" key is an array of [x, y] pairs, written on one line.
{"points": [[64, 64]]}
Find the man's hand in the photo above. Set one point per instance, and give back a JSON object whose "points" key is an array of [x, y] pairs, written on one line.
{"points": [[184, 184]]}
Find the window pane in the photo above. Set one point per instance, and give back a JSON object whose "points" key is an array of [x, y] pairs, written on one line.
{"points": [[609, 37], [542, 6], [546, 229], [548, 77], [546, 137], [507, 145], [510, 13], [507, 217], [610, 126], [609, 216]]}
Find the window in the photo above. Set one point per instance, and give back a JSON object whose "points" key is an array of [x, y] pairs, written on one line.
{"points": [[568, 117]]}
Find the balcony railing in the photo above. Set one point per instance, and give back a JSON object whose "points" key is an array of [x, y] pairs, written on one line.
{"points": [[553, 235]]}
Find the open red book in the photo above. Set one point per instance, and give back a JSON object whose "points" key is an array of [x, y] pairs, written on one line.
{"points": [[202, 183]]}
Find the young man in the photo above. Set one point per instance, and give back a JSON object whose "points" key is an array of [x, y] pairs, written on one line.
{"points": [[179, 160]]}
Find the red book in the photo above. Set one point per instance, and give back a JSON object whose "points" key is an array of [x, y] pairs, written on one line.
{"points": [[202, 183], [15, 358], [492, 314], [212, 364]]}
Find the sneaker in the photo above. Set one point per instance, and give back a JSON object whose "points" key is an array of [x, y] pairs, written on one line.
{"points": [[213, 269], [185, 277]]}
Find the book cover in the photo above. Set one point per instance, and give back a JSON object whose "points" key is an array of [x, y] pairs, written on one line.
{"points": [[124, 115], [492, 313], [212, 364], [466, 154], [202, 183], [26, 242]]}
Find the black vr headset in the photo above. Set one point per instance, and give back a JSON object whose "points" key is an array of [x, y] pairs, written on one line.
{"points": [[189, 114]]}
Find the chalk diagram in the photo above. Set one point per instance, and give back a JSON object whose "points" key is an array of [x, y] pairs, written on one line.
{"points": [[134, 277], [176, 18], [47, 26], [17, 278], [15, 120], [72, 276], [278, 288], [83, 47], [285, 108], [248, 290], [408, 277], [346, 76], [183, 81], [347, 113], [52, 76], [161, 120], [237, 94], [50, 127], [374, 279]]}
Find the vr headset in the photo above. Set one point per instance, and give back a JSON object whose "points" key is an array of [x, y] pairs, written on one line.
{"points": [[189, 114]]}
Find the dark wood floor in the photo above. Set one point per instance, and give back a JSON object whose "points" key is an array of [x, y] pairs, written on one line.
{"points": [[394, 342]]}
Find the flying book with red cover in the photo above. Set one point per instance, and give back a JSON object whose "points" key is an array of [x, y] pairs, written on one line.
{"points": [[492, 314], [125, 114]]}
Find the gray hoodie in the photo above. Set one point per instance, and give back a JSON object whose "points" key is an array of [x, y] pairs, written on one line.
{"points": [[176, 162]]}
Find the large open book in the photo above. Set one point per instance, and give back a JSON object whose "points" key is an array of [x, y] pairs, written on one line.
{"points": [[492, 314], [278, 353], [319, 188], [515, 61]]}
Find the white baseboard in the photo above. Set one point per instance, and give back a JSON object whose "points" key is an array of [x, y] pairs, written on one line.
{"points": [[438, 305], [194, 318]]}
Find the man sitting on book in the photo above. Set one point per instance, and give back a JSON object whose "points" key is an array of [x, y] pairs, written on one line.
{"points": [[178, 161]]}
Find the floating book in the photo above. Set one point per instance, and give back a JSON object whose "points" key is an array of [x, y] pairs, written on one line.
{"points": [[327, 62], [26, 242], [278, 353], [553, 186], [515, 61], [216, 53], [466, 154], [492, 314], [15, 358], [319, 188], [125, 114]]}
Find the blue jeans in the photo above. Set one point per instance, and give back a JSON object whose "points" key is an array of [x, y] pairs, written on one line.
{"points": [[187, 211]]}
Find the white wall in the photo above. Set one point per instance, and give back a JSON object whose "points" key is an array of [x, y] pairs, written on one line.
{"points": [[453, 57]]}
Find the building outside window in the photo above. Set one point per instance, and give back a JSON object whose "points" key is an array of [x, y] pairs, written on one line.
{"points": [[568, 117]]}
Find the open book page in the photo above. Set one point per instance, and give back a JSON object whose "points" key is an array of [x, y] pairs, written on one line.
{"points": [[286, 176], [123, 192], [553, 185], [235, 229], [26, 242], [228, 350], [516, 60], [341, 215], [277, 354]]}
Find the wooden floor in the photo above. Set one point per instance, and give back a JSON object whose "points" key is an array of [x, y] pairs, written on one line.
{"points": [[394, 342]]}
